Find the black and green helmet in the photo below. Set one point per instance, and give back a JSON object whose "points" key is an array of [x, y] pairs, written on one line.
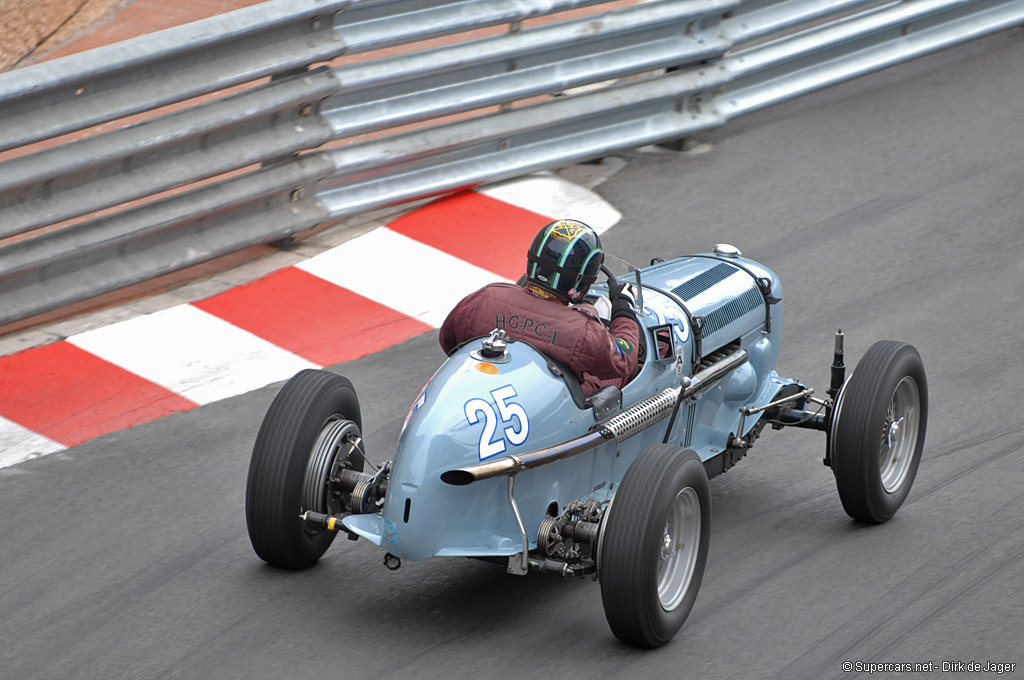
{"points": [[564, 258]]}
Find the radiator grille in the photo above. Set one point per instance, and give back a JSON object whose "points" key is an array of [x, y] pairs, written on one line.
{"points": [[700, 283], [732, 310]]}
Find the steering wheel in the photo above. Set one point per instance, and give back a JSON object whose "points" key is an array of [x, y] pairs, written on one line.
{"points": [[613, 283]]}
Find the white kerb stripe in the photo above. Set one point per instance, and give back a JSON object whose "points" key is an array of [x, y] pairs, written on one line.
{"points": [[18, 443], [557, 198], [193, 353], [401, 273]]}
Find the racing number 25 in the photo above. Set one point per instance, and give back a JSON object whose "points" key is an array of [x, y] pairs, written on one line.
{"points": [[508, 410]]}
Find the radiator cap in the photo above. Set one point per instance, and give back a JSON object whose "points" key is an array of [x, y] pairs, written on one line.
{"points": [[726, 250]]}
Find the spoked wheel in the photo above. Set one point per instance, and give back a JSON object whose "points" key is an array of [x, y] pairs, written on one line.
{"points": [[310, 433], [654, 545], [878, 430]]}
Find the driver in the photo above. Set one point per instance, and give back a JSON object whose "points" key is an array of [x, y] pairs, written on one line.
{"points": [[544, 310]]}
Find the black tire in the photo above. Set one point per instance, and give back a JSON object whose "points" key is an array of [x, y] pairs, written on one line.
{"points": [[277, 471], [875, 454], [631, 564]]}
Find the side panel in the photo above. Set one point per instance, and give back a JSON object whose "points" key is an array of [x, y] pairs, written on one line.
{"points": [[463, 416]]}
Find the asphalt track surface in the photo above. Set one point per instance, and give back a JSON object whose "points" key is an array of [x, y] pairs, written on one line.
{"points": [[892, 207]]}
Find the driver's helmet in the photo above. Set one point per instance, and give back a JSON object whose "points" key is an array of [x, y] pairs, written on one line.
{"points": [[564, 259]]}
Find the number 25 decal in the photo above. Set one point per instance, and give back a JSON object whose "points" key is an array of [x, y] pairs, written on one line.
{"points": [[508, 410]]}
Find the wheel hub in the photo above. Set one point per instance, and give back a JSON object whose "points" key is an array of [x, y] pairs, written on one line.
{"points": [[899, 434], [337, 439], [666, 545], [894, 430], [678, 550]]}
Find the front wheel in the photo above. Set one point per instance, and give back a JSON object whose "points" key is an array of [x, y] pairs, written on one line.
{"points": [[655, 545], [878, 430], [311, 429]]}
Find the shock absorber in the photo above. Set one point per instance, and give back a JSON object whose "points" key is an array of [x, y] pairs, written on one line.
{"points": [[838, 367], [838, 378]]}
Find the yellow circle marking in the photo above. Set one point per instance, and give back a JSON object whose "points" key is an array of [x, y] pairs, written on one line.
{"points": [[489, 369]]}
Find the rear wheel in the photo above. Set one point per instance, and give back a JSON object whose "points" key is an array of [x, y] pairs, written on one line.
{"points": [[878, 431], [310, 430], [655, 545]]}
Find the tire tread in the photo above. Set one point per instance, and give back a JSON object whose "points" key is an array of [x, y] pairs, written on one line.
{"points": [[856, 438], [278, 463], [646, 484]]}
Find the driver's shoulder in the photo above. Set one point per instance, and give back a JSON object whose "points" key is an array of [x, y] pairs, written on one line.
{"points": [[501, 288], [588, 310]]}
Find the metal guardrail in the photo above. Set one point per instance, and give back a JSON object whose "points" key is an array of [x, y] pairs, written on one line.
{"points": [[667, 69]]}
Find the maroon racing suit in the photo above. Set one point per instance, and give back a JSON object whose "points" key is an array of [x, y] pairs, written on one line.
{"points": [[574, 336]]}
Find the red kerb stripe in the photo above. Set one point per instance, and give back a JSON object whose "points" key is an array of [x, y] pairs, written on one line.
{"points": [[311, 317], [484, 231], [69, 395]]}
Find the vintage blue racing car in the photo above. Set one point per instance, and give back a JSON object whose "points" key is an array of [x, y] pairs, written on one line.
{"points": [[502, 458]]}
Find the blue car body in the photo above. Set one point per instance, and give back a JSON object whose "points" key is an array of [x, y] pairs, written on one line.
{"points": [[473, 411]]}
